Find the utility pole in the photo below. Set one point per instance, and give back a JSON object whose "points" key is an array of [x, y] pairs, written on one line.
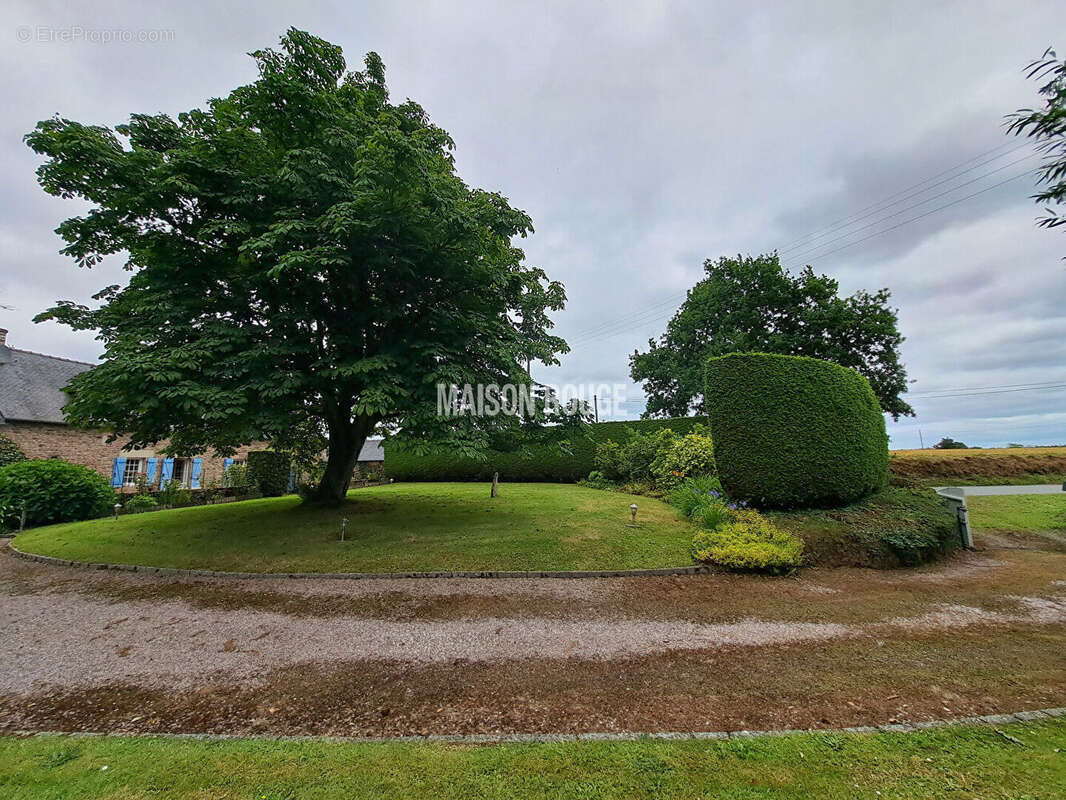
{"points": [[920, 439], [596, 407]]}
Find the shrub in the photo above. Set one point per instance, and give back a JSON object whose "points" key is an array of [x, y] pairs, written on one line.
{"points": [[609, 461], [235, 476], [173, 495], [695, 492], [597, 480], [269, 470], [749, 543], [54, 491], [683, 457], [527, 460], [10, 453], [141, 502], [792, 432]]}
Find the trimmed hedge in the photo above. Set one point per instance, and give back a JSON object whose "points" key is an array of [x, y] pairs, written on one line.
{"points": [[536, 462], [10, 453], [794, 432], [269, 470]]}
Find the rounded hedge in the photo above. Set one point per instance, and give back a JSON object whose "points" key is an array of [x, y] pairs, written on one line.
{"points": [[794, 432], [53, 491], [10, 453]]}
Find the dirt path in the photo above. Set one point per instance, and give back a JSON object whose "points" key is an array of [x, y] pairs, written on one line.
{"points": [[108, 651]]}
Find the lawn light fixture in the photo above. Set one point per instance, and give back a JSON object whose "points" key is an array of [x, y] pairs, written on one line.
{"points": [[344, 526], [633, 511], [117, 507]]}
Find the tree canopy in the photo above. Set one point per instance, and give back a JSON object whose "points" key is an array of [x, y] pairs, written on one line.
{"points": [[748, 304], [302, 253], [1047, 125]]}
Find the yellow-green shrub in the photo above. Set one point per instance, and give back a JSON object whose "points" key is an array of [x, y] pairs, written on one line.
{"points": [[680, 457], [749, 543]]}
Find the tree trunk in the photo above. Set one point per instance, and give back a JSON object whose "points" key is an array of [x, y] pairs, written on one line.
{"points": [[345, 441]]}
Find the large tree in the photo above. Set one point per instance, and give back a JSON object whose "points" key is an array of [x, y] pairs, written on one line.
{"points": [[755, 305], [302, 253], [1047, 125]]}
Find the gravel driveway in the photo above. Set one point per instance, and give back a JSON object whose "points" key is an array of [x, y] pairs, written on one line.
{"points": [[83, 650]]}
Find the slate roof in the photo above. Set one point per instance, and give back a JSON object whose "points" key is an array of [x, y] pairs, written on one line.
{"points": [[372, 451], [31, 385]]}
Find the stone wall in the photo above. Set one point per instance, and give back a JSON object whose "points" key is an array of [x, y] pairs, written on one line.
{"points": [[91, 448]]}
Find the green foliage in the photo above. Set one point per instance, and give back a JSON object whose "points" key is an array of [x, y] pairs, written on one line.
{"points": [[609, 460], [141, 502], [893, 527], [302, 251], [528, 458], [235, 477], [682, 457], [693, 493], [597, 480], [947, 443], [10, 453], [794, 432], [172, 494], [54, 491], [748, 542], [1047, 127], [754, 304], [269, 471]]}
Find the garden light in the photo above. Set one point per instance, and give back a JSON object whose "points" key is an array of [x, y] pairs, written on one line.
{"points": [[344, 526], [117, 507], [633, 511]]}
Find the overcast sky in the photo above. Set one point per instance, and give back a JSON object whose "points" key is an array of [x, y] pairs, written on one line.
{"points": [[644, 138]]}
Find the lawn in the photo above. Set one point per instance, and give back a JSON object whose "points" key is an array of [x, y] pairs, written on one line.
{"points": [[964, 762], [409, 527], [1018, 512]]}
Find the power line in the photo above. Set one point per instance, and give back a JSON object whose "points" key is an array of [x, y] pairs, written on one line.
{"points": [[808, 252], [883, 203], [1034, 384], [927, 213], [998, 391]]}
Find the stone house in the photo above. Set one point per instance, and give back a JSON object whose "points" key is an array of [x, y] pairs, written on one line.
{"points": [[31, 415]]}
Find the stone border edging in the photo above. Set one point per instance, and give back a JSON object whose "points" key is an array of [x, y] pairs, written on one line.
{"points": [[624, 736], [176, 572]]}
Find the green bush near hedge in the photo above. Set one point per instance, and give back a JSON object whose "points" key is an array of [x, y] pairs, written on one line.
{"points": [[794, 432], [269, 470], [555, 462], [10, 453], [52, 490]]}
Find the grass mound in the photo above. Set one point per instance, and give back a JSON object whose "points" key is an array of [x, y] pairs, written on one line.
{"points": [[424, 527], [894, 527]]}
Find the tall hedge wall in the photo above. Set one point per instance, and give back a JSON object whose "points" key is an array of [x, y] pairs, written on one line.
{"points": [[793, 432], [537, 462]]}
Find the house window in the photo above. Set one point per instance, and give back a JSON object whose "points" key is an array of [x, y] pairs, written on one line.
{"points": [[182, 470], [133, 468]]}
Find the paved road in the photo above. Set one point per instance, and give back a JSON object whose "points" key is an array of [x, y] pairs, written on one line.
{"points": [[1041, 488]]}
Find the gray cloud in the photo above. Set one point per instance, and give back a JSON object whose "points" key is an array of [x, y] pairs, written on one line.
{"points": [[643, 138]]}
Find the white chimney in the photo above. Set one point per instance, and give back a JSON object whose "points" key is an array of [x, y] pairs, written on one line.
{"points": [[3, 337]]}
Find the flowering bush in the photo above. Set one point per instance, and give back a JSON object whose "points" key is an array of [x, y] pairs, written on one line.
{"points": [[693, 493], [683, 457], [748, 542], [141, 502]]}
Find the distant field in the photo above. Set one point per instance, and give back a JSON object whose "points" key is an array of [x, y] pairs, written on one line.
{"points": [[929, 452], [994, 465]]}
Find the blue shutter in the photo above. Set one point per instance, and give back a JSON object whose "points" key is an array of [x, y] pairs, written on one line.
{"points": [[168, 471], [225, 466], [226, 463], [197, 468], [117, 471], [150, 473]]}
